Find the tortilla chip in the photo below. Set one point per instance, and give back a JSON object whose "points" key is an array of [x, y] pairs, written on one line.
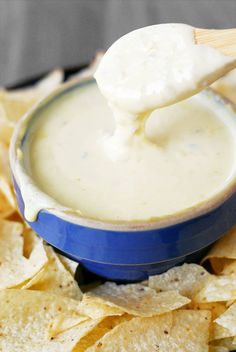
{"points": [[217, 264], [15, 268], [17, 103], [30, 240], [216, 309], [104, 327], [6, 127], [228, 303], [69, 264], [16, 217], [25, 315], [136, 299], [225, 248], [7, 199], [218, 289], [55, 278], [89, 71], [188, 279], [219, 332], [95, 307], [4, 162], [227, 343], [6, 190], [218, 349], [67, 341], [65, 321], [229, 267], [228, 319], [49, 83], [6, 209], [183, 330]]}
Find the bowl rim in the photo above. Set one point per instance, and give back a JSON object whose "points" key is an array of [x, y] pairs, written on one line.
{"points": [[70, 215]]}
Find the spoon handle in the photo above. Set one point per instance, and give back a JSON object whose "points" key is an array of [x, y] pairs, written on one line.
{"points": [[222, 39]]}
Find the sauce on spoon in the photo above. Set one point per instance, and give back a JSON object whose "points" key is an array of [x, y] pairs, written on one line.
{"points": [[153, 67]]}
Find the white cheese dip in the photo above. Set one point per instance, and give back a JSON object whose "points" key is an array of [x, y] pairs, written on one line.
{"points": [[152, 67], [190, 158], [129, 162]]}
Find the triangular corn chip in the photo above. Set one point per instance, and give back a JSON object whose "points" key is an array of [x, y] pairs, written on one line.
{"points": [[136, 299], [188, 279], [184, 330], [15, 268], [55, 278]]}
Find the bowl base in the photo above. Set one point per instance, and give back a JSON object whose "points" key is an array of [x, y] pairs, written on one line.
{"points": [[134, 273]]}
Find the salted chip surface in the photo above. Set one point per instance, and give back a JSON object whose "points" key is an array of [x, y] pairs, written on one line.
{"points": [[220, 332], [228, 319], [228, 343], [229, 268], [6, 209], [139, 300], [50, 82], [89, 71], [15, 268], [95, 307], [218, 349], [7, 200], [218, 289], [55, 278], [69, 264], [101, 329], [17, 103], [64, 321], [30, 241], [183, 330], [216, 309], [68, 340], [4, 162], [25, 316], [188, 279], [223, 249], [6, 127], [6, 190]]}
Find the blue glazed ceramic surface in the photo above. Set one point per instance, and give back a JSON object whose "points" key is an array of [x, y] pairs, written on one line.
{"points": [[130, 252]]}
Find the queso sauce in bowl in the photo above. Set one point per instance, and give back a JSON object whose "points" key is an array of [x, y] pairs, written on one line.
{"points": [[123, 220], [125, 188]]}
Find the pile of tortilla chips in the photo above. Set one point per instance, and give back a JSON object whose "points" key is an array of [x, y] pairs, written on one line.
{"points": [[42, 308]]}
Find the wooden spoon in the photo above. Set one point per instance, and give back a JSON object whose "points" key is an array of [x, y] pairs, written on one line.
{"points": [[222, 39]]}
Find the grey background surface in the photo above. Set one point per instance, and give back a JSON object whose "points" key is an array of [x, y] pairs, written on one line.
{"points": [[37, 35]]}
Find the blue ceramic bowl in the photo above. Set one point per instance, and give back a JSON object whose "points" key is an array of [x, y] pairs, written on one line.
{"points": [[129, 251]]}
